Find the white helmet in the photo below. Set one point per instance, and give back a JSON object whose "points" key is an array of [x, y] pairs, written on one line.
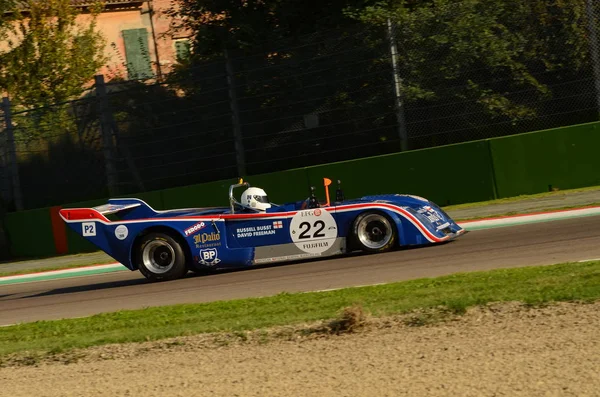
{"points": [[255, 198]]}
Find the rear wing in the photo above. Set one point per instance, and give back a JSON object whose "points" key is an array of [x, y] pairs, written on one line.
{"points": [[108, 209], [126, 209]]}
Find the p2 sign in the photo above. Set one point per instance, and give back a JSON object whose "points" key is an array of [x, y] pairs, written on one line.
{"points": [[88, 229]]}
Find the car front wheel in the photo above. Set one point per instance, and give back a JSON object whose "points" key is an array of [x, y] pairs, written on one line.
{"points": [[374, 232], [160, 257]]}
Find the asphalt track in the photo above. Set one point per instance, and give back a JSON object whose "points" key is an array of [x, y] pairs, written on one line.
{"points": [[523, 245]]}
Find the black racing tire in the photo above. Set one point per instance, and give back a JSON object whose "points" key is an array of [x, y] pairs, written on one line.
{"points": [[373, 231], [160, 257]]}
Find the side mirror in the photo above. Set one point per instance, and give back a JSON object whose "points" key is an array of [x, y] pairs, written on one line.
{"points": [[327, 182]]}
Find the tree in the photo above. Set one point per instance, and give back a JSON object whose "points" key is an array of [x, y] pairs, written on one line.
{"points": [[470, 69], [50, 56], [245, 24], [290, 61], [482, 51]]}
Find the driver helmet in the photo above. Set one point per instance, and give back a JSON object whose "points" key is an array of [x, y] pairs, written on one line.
{"points": [[255, 198]]}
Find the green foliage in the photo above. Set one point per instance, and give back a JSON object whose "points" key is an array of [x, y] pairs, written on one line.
{"points": [[479, 51], [219, 24], [49, 55], [7, 7]]}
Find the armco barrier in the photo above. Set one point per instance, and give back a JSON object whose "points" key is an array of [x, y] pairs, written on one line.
{"points": [[468, 172], [561, 158]]}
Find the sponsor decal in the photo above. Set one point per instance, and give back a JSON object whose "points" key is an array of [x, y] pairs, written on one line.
{"points": [[285, 258], [194, 229], [445, 225], [207, 237], [310, 213], [278, 225], [313, 231], [206, 240], [121, 232], [316, 245], [209, 257], [429, 213], [88, 229], [256, 231]]}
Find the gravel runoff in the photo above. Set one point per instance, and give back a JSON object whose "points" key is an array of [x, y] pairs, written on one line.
{"points": [[498, 350]]}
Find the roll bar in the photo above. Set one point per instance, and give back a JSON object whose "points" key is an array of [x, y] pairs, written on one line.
{"points": [[232, 200]]}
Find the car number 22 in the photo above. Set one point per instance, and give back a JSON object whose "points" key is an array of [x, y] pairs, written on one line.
{"points": [[313, 231], [318, 225]]}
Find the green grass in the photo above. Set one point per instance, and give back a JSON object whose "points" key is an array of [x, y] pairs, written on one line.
{"points": [[512, 213], [558, 193], [531, 285], [49, 268], [73, 261]]}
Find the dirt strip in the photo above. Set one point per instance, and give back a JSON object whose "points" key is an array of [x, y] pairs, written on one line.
{"points": [[500, 350]]}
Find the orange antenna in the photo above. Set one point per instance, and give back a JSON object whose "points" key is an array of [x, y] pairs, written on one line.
{"points": [[327, 182]]}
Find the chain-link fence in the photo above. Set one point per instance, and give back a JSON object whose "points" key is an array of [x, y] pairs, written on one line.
{"points": [[330, 96]]}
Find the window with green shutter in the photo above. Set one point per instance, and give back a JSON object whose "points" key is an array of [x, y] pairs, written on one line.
{"points": [[182, 50], [137, 53]]}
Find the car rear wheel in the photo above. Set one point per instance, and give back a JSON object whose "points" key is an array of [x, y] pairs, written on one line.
{"points": [[160, 257], [374, 232]]}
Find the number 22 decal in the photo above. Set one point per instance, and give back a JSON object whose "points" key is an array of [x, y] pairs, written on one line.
{"points": [[313, 231], [306, 227]]}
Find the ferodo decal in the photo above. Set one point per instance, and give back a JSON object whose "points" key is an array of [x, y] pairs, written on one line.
{"points": [[313, 231], [193, 229]]}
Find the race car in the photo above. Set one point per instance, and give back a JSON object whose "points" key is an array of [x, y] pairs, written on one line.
{"points": [[165, 245]]}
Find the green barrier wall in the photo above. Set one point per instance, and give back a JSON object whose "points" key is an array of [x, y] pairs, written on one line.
{"points": [[284, 186], [561, 158], [30, 233], [212, 194], [446, 175]]}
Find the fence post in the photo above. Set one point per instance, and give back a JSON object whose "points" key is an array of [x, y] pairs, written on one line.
{"points": [[398, 101], [594, 50], [107, 136], [12, 155], [235, 117]]}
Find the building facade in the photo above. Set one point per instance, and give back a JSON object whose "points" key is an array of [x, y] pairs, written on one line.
{"points": [[140, 41]]}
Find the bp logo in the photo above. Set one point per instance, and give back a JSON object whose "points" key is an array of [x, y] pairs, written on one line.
{"points": [[209, 257]]}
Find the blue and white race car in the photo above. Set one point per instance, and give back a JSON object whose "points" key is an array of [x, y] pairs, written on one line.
{"points": [[164, 245]]}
